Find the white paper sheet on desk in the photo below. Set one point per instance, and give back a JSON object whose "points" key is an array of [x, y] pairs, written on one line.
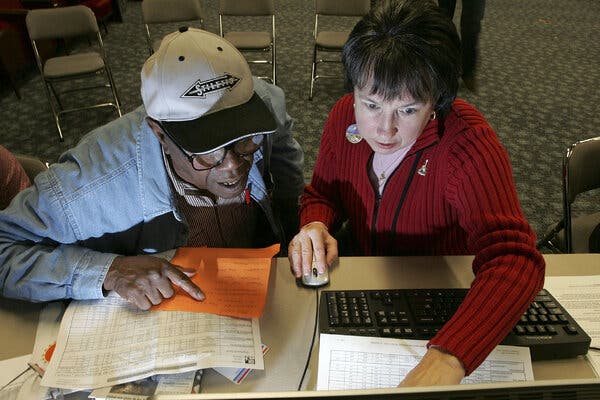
{"points": [[237, 375], [46, 334], [106, 342], [182, 383], [580, 296], [359, 362], [18, 381], [593, 357]]}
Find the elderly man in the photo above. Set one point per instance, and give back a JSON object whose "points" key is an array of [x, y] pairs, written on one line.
{"points": [[198, 165]]}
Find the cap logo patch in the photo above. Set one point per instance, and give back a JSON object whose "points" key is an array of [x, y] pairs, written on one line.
{"points": [[201, 88]]}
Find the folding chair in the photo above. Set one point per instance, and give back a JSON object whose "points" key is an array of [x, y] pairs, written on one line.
{"points": [[70, 23], [162, 13], [330, 40], [250, 40], [581, 173]]}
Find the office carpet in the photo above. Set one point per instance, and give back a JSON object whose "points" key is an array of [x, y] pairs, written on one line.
{"points": [[538, 87]]}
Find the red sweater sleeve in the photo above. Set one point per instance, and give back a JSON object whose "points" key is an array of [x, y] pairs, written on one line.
{"points": [[508, 269]]}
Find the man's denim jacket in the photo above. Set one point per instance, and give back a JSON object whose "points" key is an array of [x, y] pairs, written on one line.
{"points": [[110, 195]]}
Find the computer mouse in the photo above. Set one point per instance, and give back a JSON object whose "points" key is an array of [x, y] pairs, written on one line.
{"points": [[315, 279]]}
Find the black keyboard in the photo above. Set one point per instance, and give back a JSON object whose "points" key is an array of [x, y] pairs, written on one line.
{"points": [[546, 328]]}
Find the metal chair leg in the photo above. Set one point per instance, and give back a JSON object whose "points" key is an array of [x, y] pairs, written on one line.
{"points": [[47, 88], [58, 102], [113, 88], [313, 73]]}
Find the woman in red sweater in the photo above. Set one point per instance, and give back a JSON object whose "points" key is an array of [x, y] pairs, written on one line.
{"points": [[415, 171]]}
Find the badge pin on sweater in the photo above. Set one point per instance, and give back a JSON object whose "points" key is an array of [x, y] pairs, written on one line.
{"points": [[352, 134], [423, 170]]}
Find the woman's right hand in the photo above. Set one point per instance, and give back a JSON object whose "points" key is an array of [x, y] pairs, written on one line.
{"points": [[313, 237]]}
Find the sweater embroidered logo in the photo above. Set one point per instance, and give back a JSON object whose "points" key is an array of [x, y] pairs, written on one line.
{"points": [[423, 170], [200, 88]]}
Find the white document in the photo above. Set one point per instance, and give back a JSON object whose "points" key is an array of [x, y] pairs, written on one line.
{"points": [[237, 375], [107, 342], [182, 383], [580, 296], [359, 362], [18, 381], [593, 356], [46, 334]]}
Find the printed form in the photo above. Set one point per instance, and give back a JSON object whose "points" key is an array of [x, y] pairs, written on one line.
{"points": [[107, 342], [359, 362], [580, 296]]}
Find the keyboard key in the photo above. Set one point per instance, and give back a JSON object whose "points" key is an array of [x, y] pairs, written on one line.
{"points": [[570, 329], [426, 320], [533, 318], [520, 330], [530, 329]]}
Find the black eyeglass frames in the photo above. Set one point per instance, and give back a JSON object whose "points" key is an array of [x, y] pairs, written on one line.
{"points": [[202, 162]]}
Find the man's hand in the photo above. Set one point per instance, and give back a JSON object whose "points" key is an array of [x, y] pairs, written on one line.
{"points": [[147, 280], [435, 368], [313, 236]]}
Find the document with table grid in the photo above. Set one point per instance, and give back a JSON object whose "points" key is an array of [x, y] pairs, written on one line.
{"points": [[360, 362], [107, 342]]}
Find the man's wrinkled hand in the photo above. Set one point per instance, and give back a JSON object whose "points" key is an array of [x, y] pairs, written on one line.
{"points": [[146, 280]]}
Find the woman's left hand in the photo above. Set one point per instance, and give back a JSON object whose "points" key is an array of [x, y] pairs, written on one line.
{"points": [[436, 368]]}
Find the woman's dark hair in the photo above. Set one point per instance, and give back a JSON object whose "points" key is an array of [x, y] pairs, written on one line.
{"points": [[405, 45]]}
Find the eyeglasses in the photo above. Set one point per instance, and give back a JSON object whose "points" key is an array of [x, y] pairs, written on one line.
{"points": [[244, 148]]}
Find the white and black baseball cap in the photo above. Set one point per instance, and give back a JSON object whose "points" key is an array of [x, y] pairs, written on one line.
{"points": [[199, 86]]}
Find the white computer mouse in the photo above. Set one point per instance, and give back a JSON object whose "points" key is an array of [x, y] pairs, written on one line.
{"points": [[315, 279]]}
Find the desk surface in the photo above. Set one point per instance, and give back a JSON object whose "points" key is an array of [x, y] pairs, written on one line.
{"points": [[289, 317]]}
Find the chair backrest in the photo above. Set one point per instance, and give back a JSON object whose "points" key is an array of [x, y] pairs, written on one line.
{"points": [[164, 11], [581, 173], [342, 8], [61, 22], [582, 167], [246, 7], [155, 12]]}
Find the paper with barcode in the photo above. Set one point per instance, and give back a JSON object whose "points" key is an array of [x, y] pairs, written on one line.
{"points": [[109, 341]]}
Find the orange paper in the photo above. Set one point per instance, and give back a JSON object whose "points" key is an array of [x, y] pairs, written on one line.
{"points": [[234, 280]]}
